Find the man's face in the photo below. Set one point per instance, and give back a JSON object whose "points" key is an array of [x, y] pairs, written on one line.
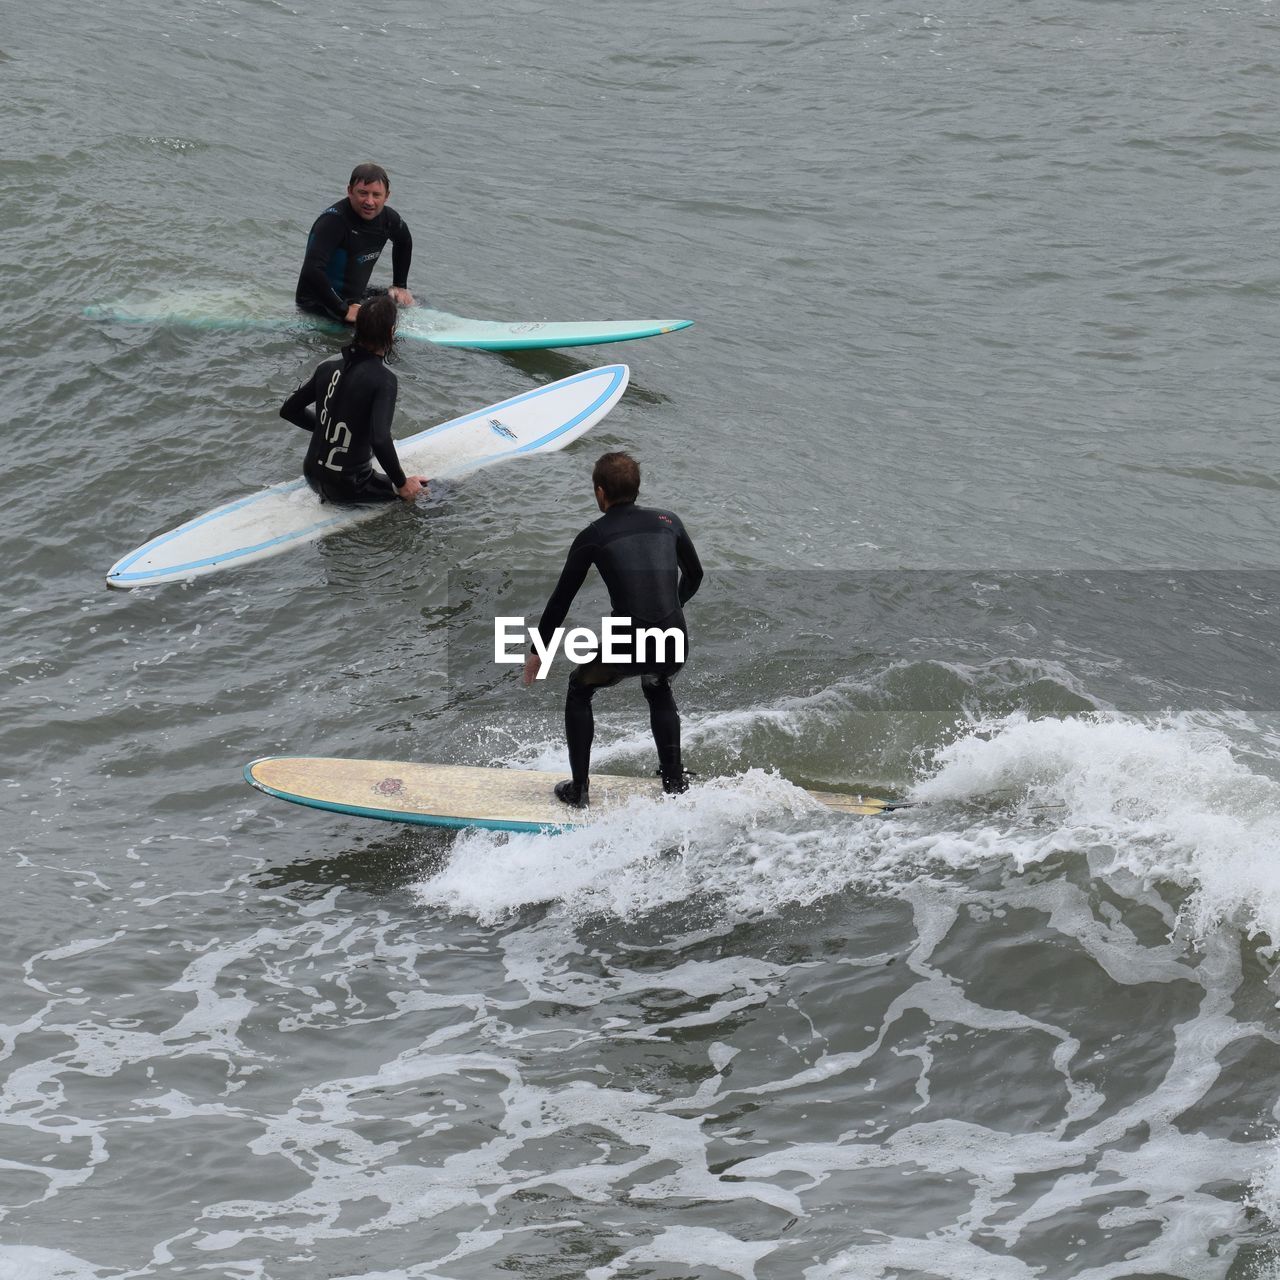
{"points": [[367, 198]]}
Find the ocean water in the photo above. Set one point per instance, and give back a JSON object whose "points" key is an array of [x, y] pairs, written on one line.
{"points": [[975, 432]]}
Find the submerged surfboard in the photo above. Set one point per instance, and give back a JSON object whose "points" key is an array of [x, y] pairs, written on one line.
{"points": [[451, 795], [286, 515], [221, 310]]}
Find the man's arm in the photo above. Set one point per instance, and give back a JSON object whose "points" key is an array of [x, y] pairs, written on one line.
{"points": [[384, 446], [401, 257], [296, 408], [580, 558], [381, 411], [314, 288], [690, 566]]}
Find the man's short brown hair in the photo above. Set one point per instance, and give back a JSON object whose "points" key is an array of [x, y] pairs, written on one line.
{"points": [[369, 174], [618, 474]]}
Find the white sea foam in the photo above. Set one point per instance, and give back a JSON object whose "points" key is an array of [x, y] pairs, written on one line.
{"points": [[29, 1262], [1164, 802], [755, 841], [692, 1248], [1168, 801]]}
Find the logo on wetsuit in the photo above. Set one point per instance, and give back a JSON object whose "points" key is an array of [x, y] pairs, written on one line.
{"points": [[337, 434]]}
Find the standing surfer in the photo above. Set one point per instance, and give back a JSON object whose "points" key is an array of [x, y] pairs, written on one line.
{"points": [[651, 569], [345, 242], [355, 399]]}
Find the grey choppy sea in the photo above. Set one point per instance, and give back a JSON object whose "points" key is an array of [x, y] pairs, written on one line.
{"points": [[975, 431]]}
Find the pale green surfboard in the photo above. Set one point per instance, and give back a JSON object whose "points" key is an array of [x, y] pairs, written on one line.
{"points": [[224, 310], [452, 795]]}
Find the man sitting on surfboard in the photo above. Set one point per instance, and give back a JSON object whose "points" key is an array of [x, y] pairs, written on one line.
{"points": [[345, 242], [355, 399], [651, 569]]}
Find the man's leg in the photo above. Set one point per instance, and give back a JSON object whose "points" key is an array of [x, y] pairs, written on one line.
{"points": [[580, 726], [371, 489], [664, 721], [579, 729]]}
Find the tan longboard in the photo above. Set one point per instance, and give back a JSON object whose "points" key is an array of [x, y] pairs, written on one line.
{"points": [[452, 795]]}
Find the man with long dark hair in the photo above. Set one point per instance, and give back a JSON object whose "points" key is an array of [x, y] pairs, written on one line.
{"points": [[355, 399], [651, 569], [345, 242]]}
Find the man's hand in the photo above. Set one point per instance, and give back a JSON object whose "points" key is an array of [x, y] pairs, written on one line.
{"points": [[532, 665], [353, 310], [402, 297], [412, 488]]}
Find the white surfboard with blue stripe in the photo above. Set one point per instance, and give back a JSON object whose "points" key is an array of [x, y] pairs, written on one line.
{"points": [[288, 515]]}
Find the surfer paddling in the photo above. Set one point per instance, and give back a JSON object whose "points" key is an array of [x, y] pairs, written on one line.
{"points": [[355, 399], [345, 243], [651, 570]]}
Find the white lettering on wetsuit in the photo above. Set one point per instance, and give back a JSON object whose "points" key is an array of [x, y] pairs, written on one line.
{"points": [[337, 434]]}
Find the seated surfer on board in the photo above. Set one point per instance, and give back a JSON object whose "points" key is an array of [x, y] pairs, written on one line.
{"points": [[651, 569], [355, 395], [345, 242]]}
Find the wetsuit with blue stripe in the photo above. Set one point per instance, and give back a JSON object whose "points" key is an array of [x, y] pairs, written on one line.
{"points": [[341, 251], [651, 569], [355, 399]]}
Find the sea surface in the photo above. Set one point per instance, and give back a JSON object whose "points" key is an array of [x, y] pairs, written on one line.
{"points": [[975, 432]]}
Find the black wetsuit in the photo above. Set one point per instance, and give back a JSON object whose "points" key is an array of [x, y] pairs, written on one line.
{"points": [[341, 251], [355, 399], [650, 566]]}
